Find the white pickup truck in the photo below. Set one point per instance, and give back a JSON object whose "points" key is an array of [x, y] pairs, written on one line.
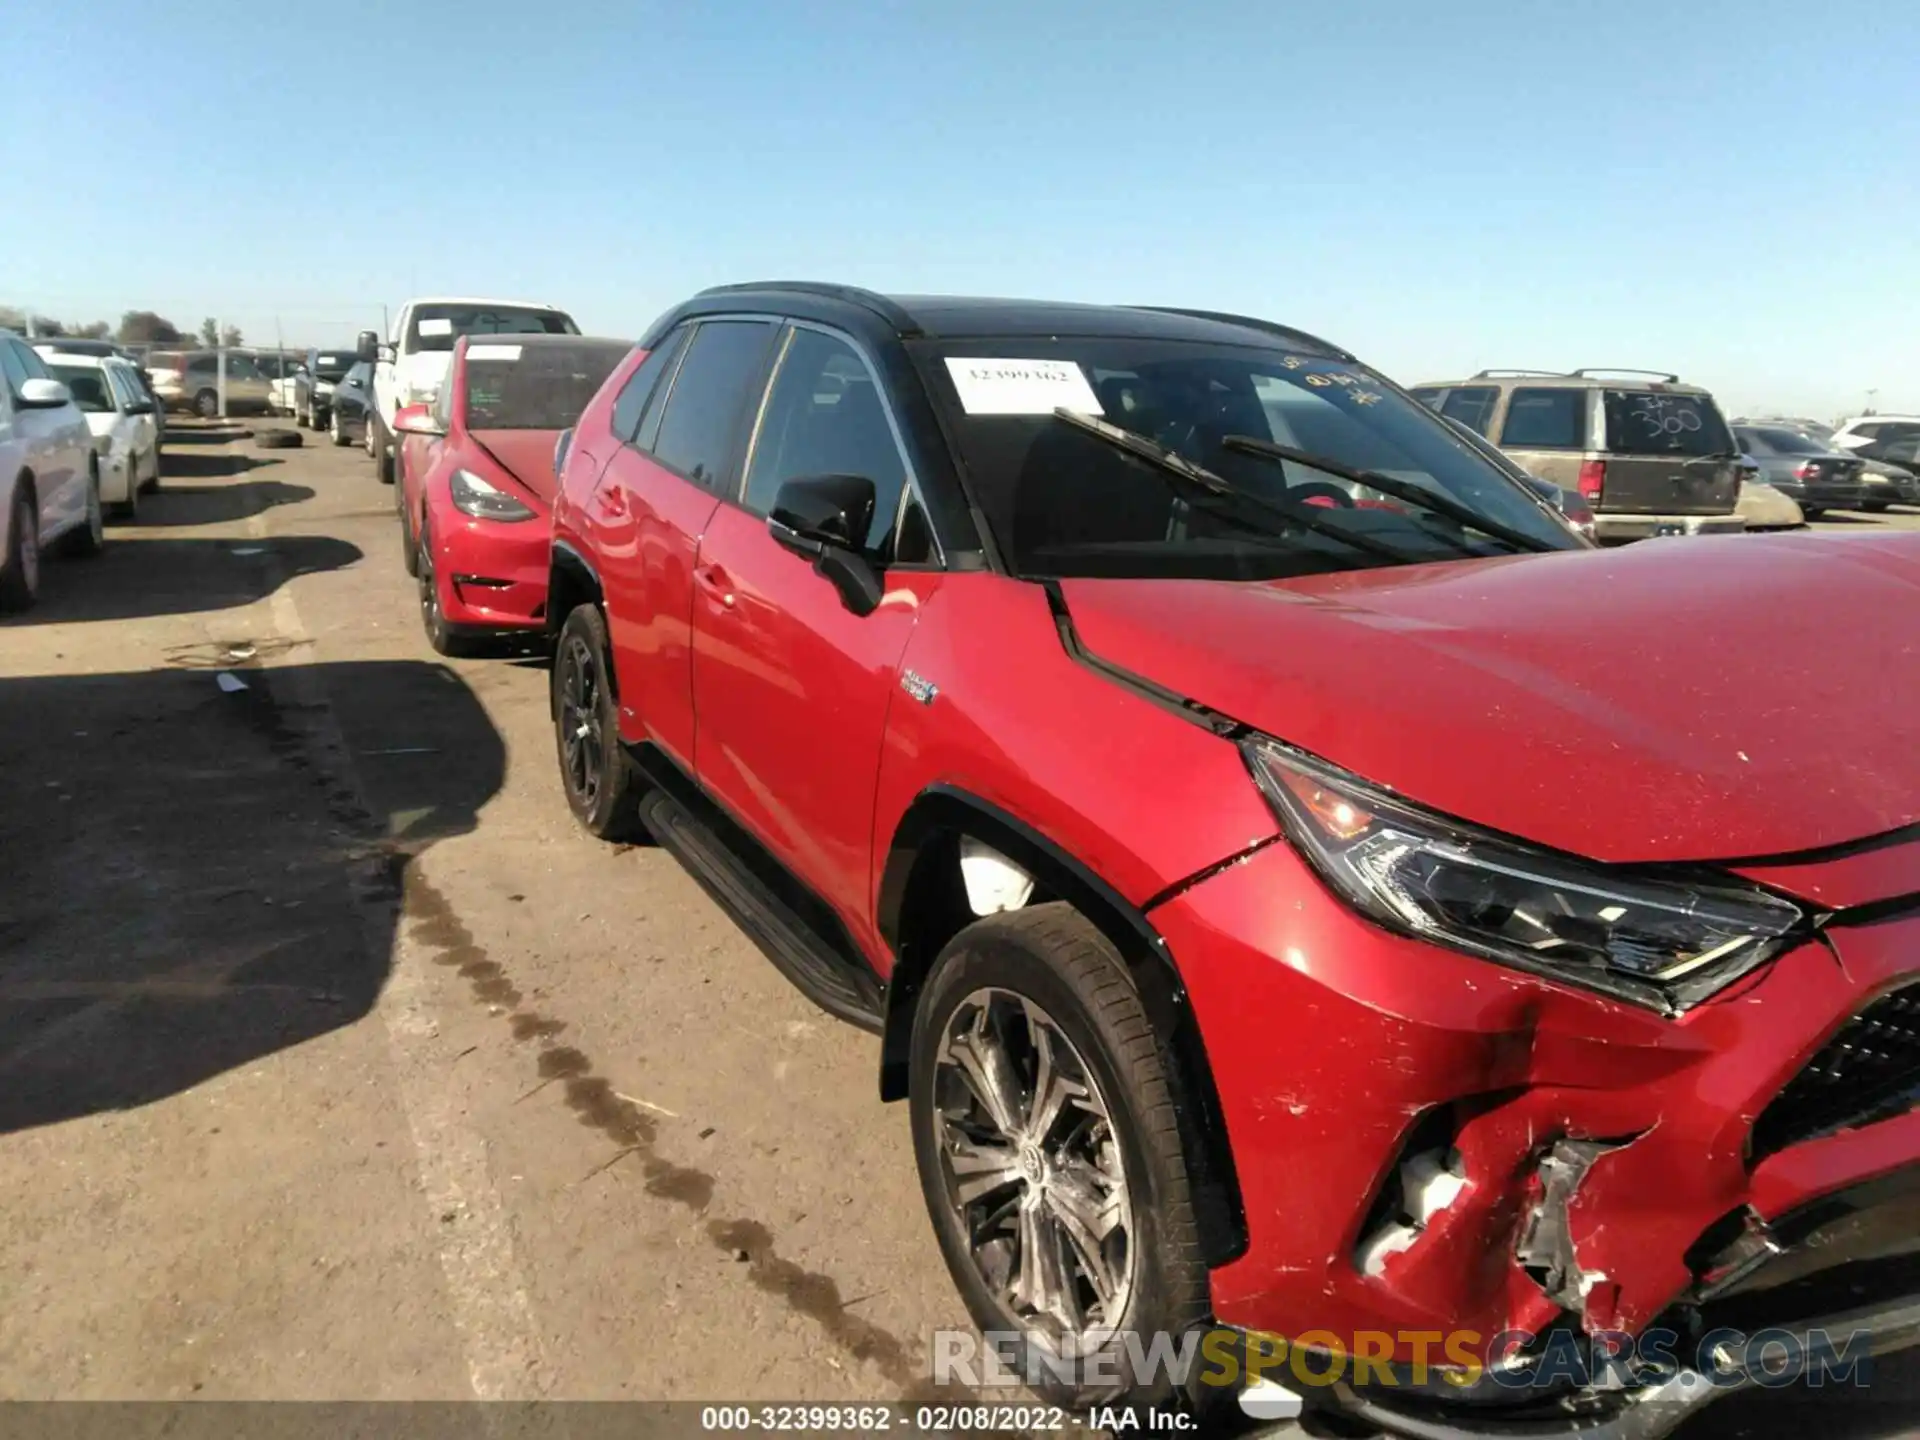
{"points": [[410, 365]]}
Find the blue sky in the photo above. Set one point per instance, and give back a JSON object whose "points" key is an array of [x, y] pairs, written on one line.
{"points": [[1731, 190]]}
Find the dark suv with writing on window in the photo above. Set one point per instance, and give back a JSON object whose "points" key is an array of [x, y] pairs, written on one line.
{"points": [[1189, 753], [1649, 454]]}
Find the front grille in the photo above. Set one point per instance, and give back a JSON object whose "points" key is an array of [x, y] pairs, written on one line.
{"points": [[1868, 1072]]}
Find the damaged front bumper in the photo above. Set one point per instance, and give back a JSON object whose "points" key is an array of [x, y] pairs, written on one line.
{"points": [[1441, 1157]]}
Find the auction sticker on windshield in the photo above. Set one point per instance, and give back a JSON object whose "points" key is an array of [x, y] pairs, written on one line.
{"points": [[1022, 387], [492, 352], [436, 327]]}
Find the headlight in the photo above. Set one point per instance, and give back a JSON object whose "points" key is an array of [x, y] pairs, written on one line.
{"points": [[1663, 942], [474, 496]]}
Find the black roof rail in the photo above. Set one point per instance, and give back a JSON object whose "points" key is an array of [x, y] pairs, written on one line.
{"points": [[879, 305], [1271, 327], [1592, 371], [1496, 373]]}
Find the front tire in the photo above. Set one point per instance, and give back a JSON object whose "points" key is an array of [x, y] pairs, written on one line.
{"points": [[1049, 1149], [334, 432], [128, 510], [380, 446], [603, 791], [91, 538], [20, 566], [1811, 512], [207, 405], [442, 634]]}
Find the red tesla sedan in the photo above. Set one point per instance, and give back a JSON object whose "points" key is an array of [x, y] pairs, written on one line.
{"points": [[476, 481], [1401, 927]]}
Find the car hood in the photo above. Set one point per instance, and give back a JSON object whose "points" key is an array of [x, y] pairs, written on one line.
{"points": [[527, 455], [1691, 699]]}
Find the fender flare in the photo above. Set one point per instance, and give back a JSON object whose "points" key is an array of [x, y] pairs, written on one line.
{"points": [[941, 811]]}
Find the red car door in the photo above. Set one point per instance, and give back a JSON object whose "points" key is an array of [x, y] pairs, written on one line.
{"points": [[790, 686], [648, 515]]}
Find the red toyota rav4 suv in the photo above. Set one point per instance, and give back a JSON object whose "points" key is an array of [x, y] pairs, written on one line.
{"points": [[1300, 884]]}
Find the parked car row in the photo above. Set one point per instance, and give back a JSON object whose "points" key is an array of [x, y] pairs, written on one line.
{"points": [[51, 471], [1651, 455], [1210, 773]]}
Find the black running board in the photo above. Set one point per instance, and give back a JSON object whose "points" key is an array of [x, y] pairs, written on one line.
{"points": [[843, 987]]}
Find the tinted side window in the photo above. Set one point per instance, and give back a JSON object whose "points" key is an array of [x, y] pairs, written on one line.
{"points": [[701, 423], [825, 417], [1546, 419], [1472, 406], [632, 399], [1426, 394]]}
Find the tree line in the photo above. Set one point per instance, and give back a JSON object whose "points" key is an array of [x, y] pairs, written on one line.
{"points": [[137, 327]]}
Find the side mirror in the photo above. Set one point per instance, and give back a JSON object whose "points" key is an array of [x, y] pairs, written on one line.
{"points": [[415, 420], [825, 518], [44, 395], [367, 346]]}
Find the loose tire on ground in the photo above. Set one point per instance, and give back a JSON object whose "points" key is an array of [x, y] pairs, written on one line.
{"points": [[1052, 956], [278, 439], [601, 786]]}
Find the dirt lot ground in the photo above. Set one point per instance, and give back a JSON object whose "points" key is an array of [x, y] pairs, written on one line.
{"points": [[336, 1063]]}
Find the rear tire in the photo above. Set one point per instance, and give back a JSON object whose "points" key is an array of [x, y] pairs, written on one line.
{"points": [[602, 788], [1877, 507], [1109, 1149], [20, 566], [207, 405]]}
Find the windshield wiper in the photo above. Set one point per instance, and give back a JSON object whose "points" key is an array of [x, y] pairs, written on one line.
{"points": [[1419, 495], [1211, 492]]}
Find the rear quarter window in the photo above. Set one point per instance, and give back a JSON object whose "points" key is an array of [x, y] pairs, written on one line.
{"points": [[1546, 418], [1472, 406]]}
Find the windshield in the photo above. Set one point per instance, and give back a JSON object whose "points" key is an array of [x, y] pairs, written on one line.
{"points": [[1659, 422], [542, 386], [1064, 501], [89, 387], [329, 366], [436, 327]]}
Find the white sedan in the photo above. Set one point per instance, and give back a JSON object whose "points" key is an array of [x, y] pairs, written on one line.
{"points": [[125, 434], [49, 475]]}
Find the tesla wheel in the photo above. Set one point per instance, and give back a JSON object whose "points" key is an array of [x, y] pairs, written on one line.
{"points": [[207, 405], [20, 567], [445, 637], [1049, 1150], [602, 788]]}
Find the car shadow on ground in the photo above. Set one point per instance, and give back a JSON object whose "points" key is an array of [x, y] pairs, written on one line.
{"points": [[214, 504], [202, 465], [192, 880], [136, 577]]}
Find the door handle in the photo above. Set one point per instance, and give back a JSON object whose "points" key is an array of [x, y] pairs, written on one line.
{"points": [[713, 580]]}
